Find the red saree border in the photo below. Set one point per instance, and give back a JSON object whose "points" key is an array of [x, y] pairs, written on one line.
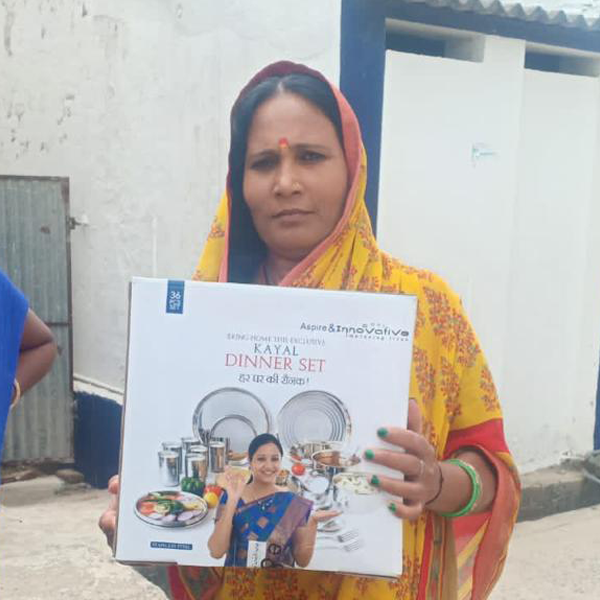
{"points": [[488, 435], [425, 577], [493, 548], [488, 438]]}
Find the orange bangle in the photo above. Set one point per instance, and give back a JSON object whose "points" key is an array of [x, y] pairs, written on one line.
{"points": [[16, 393]]}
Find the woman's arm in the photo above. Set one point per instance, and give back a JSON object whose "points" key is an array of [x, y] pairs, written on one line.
{"points": [[303, 544], [219, 541], [37, 352], [234, 485], [457, 488]]}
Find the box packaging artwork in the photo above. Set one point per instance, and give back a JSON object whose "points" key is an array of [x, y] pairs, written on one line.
{"points": [[212, 366]]}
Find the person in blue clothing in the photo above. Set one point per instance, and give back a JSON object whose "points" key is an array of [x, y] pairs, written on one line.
{"points": [[27, 349]]}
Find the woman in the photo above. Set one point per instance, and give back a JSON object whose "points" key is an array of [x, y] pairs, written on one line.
{"points": [[263, 512], [294, 214], [27, 349]]}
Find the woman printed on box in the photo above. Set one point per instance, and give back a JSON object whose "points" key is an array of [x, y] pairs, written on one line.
{"points": [[263, 512], [294, 214], [27, 349]]}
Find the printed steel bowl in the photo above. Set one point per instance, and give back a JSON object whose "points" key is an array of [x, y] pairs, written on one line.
{"points": [[333, 462]]}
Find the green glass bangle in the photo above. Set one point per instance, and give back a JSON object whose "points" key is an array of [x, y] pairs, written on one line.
{"points": [[475, 486]]}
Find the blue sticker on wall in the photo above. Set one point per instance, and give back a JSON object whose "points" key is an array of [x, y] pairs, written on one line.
{"points": [[175, 293]]}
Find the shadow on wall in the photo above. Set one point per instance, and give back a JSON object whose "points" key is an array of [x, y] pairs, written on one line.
{"points": [[97, 438]]}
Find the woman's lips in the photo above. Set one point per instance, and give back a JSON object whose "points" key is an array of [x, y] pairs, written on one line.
{"points": [[291, 212]]}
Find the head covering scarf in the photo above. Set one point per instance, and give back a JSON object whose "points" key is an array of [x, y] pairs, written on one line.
{"points": [[13, 311], [442, 558]]}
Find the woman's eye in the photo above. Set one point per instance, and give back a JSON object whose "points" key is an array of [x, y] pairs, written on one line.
{"points": [[263, 164], [310, 156]]}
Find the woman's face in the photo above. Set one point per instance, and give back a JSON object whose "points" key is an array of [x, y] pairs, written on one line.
{"points": [[295, 175], [266, 463]]}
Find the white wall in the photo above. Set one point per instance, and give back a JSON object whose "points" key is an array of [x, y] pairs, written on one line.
{"points": [[552, 338], [487, 179], [130, 100]]}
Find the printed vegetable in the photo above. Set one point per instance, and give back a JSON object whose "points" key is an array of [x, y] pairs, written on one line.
{"points": [[146, 508], [298, 469], [173, 508], [211, 499], [192, 485], [215, 489]]}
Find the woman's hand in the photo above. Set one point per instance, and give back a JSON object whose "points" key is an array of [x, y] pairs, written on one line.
{"points": [[234, 483], [305, 536], [320, 516], [108, 519], [418, 463]]}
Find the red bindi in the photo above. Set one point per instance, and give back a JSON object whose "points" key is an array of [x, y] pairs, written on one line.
{"points": [[283, 143]]}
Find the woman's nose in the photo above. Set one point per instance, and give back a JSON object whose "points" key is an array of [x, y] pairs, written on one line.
{"points": [[286, 182]]}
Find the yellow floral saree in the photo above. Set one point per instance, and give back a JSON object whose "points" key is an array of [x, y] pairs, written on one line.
{"points": [[442, 559]]}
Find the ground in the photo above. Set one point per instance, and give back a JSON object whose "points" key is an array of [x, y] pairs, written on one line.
{"points": [[51, 549], [556, 557]]}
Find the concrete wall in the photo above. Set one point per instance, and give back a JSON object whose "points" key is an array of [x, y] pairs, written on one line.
{"points": [[488, 179], [130, 100]]}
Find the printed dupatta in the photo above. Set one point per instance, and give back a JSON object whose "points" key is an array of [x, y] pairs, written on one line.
{"points": [[450, 379]]}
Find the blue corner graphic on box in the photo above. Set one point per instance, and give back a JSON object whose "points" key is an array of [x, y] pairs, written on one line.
{"points": [[175, 296]]}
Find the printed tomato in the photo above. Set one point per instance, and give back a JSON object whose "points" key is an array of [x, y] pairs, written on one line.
{"points": [[298, 469], [215, 489], [147, 508]]}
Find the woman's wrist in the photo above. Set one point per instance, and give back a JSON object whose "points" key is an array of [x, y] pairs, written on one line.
{"points": [[467, 483], [312, 522], [454, 491], [473, 475], [440, 485], [232, 501]]}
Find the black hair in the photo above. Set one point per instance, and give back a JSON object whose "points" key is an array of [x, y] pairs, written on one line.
{"points": [[262, 440], [246, 250]]}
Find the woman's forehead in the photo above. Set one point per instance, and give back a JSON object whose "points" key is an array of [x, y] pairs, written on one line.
{"points": [[291, 117], [269, 448]]}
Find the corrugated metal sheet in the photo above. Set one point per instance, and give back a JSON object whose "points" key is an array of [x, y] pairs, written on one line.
{"points": [[34, 252], [519, 11]]}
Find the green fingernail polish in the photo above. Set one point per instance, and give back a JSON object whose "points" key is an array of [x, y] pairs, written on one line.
{"points": [[369, 454], [382, 432], [375, 481], [392, 507]]}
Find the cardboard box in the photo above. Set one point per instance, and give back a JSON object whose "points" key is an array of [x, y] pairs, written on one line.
{"points": [[218, 364]]}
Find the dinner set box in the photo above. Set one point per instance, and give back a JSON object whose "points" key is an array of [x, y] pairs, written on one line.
{"points": [[211, 366]]}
